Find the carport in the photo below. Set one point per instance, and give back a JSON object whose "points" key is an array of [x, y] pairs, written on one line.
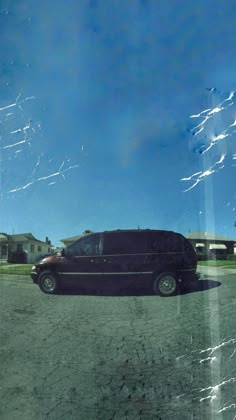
{"points": [[217, 251]]}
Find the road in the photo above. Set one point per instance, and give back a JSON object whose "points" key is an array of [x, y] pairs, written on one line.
{"points": [[122, 356]]}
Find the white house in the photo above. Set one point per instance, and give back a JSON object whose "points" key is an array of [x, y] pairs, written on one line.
{"points": [[23, 247], [207, 244]]}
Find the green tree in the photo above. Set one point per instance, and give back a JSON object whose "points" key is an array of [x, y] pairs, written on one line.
{"points": [[87, 231]]}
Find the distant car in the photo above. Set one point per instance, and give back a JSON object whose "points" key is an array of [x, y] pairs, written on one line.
{"points": [[161, 260]]}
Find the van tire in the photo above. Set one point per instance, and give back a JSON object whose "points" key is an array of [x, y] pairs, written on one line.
{"points": [[165, 284], [48, 283]]}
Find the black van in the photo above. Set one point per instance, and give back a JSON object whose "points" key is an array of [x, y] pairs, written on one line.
{"points": [[156, 259]]}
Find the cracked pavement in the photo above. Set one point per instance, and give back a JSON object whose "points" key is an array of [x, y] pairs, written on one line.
{"points": [[129, 356]]}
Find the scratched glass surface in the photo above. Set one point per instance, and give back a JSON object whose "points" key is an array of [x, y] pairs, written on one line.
{"points": [[117, 115]]}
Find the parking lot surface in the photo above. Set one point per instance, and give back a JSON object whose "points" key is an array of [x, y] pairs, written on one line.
{"points": [[129, 355]]}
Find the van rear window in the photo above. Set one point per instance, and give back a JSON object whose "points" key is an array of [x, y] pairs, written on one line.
{"points": [[166, 242]]}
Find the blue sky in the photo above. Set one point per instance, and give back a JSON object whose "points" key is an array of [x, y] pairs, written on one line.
{"points": [[95, 109]]}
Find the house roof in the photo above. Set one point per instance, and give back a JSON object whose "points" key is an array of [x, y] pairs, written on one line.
{"points": [[200, 235], [72, 238], [20, 237], [4, 236]]}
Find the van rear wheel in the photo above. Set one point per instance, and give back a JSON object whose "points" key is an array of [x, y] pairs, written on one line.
{"points": [[165, 284]]}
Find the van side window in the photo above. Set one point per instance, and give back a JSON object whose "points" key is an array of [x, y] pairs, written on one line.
{"points": [[89, 245], [125, 243]]}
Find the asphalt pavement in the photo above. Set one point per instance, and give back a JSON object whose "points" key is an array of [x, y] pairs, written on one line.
{"points": [[129, 355]]}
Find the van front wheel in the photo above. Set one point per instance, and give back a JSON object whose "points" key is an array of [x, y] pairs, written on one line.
{"points": [[165, 284], [48, 283]]}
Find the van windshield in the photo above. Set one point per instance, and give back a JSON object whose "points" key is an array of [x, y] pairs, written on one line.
{"points": [[88, 245]]}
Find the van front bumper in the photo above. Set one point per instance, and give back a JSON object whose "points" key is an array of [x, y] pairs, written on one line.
{"points": [[34, 276]]}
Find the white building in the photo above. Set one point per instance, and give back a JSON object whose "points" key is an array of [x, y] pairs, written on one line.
{"points": [[210, 244], [23, 247]]}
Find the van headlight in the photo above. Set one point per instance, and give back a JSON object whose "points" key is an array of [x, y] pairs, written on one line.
{"points": [[34, 267]]}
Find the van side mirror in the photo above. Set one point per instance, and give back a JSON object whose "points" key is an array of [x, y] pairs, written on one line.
{"points": [[63, 253]]}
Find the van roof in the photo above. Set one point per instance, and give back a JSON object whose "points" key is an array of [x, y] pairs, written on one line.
{"points": [[140, 230]]}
